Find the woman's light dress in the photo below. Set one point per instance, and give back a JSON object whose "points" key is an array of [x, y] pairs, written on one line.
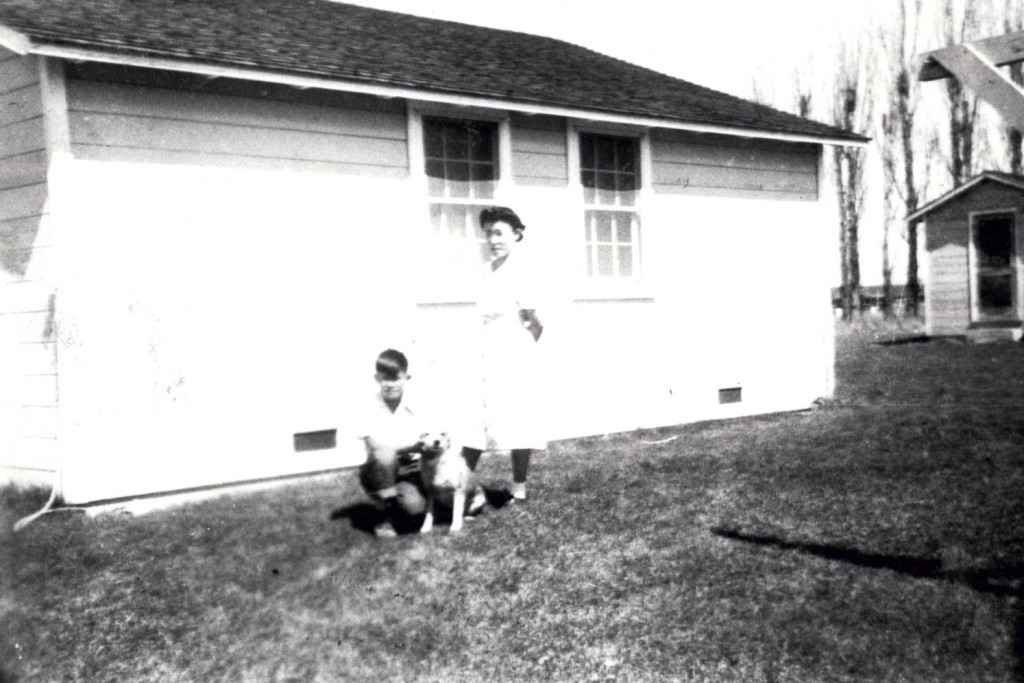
{"points": [[510, 360]]}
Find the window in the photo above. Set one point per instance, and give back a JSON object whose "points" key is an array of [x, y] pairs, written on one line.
{"points": [[994, 278], [461, 164], [610, 174]]}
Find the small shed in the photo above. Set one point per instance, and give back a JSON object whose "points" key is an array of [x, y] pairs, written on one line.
{"points": [[972, 237], [213, 216]]}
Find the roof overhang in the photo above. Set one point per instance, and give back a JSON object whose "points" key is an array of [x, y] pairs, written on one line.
{"points": [[22, 44], [952, 194]]}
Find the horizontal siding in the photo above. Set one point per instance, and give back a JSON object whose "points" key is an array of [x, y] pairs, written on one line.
{"points": [[18, 73], [712, 165], [22, 202], [37, 422], [679, 177], [35, 358], [37, 454], [28, 168], [21, 137], [530, 165], [39, 391], [539, 155], [158, 156], [20, 233], [21, 104], [27, 350], [25, 327], [25, 296], [143, 124], [948, 299]]}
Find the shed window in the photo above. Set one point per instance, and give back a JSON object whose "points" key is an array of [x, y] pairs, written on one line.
{"points": [[994, 278], [610, 175], [461, 165]]}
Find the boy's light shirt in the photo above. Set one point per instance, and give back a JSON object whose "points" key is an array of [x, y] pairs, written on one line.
{"points": [[392, 429]]}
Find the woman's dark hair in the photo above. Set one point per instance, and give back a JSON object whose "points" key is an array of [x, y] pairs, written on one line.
{"points": [[391, 363], [502, 214]]}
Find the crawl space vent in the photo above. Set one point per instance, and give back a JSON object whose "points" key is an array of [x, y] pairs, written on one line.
{"points": [[316, 441], [730, 395]]}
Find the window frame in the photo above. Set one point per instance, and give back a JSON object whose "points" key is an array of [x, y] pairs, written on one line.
{"points": [[611, 287], [977, 313], [416, 113]]}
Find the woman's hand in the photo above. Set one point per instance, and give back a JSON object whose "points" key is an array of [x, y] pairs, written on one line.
{"points": [[531, 322]]}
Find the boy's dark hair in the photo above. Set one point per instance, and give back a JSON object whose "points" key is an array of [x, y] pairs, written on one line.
{"points": [[502, 214], [391, 363]]}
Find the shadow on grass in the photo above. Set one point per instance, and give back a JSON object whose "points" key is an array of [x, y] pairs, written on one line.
{"points": [[364, 516], [900, 341], [1002, 580]]}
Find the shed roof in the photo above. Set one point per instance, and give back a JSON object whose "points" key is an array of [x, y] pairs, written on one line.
{"points": [[344, 43], [1007, 179]]}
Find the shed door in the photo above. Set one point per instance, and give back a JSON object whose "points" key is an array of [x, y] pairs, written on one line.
{"points": [[993, 267]]}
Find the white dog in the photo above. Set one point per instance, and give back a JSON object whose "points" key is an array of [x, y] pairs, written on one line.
{"points": [[445, 474]]}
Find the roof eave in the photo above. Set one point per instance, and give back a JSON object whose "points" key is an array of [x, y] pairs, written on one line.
{"points": [[22, 44], [956, 192], [14, 40]]}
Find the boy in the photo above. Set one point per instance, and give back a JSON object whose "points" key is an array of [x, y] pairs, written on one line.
{"points": [[392, 429]]}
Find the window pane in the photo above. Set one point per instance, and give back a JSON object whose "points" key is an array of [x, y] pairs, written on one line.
{"points": [[433, 139], [603, 224], [995, 242], [624, 228], [995, 292], [482, 172], [458, 178], [456, 142], [606, 188], [626, 261], [589, 179], [586, 151], [606, 153], [604, 261], [435, 178], [627, 155], [437, 218], [482, 143]]}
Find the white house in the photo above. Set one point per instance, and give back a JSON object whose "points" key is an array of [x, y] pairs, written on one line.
{"points": [[214, 215]]}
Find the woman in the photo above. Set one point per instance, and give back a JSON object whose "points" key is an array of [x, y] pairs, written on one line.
{"points": [[507, 305]]}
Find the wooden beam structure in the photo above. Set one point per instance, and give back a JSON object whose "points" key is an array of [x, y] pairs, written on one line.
{"points": [[1000, 50], [976, 65]]}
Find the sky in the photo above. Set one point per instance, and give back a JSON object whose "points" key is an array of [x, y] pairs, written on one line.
{"points": [[725, 45], [719, 44]]}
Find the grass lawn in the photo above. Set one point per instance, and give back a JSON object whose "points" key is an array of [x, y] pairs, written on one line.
{"points": [[878, 538]]}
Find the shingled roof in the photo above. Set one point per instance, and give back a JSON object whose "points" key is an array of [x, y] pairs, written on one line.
{"points": [[353, 44]]}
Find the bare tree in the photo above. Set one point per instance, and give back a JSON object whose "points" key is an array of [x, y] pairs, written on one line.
{"points": [[888, 147], [851, 111], [760, 93], [956, 28], [898, 149], [802, 95], [1013, 20]]}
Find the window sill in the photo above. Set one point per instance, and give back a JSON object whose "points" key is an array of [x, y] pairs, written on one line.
{"points": [[590, 291], [995, 324]]}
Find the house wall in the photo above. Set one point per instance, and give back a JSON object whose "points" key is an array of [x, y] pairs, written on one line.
{"points": [[728, 166], [28, 384], [242, 254], [539, 156], [947, 233]]}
